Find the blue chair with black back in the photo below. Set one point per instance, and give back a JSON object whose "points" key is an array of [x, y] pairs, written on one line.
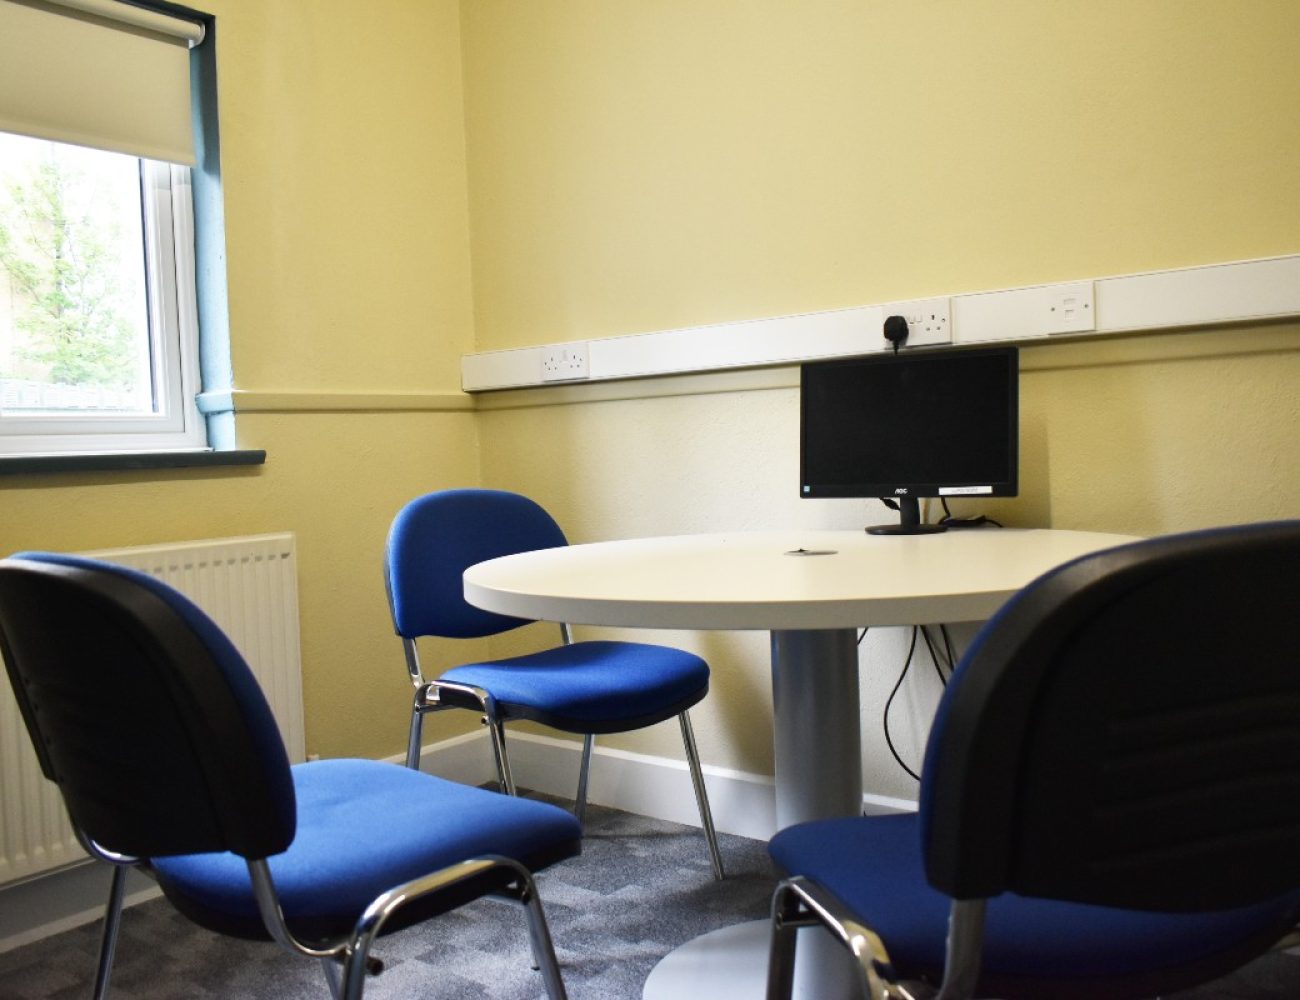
{"points": [[586, 688], [1110, 797], [168, 759]]}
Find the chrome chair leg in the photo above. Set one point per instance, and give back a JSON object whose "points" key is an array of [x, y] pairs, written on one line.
{"points": [[412, 654], [799, 902], [414, 739], [961, 970], [112, 922], [357, 962], [504, 777], [781, 950], [333, 977], [584, 770], [540, 937], [701, 794], [513, 897]]}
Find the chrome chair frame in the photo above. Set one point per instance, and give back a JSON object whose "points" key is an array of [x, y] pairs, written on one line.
{"points": [[112, 910], [345, 962], [353, 952], [430, 696], [799, 902]]}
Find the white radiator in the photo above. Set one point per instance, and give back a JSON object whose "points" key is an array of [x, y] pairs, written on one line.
{"points": [[249, 587]]}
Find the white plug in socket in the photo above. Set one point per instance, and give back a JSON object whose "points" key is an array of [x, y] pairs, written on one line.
{"points": [[929, 321], [565, 362], [1070, 308]]}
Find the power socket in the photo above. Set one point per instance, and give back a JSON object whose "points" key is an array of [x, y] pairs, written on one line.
{"points": [[565, 362], [929, 321]]}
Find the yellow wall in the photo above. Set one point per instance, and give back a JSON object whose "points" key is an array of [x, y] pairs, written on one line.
{"points": [[650, 165], [344, 167], [646, 166], [348, 265]]}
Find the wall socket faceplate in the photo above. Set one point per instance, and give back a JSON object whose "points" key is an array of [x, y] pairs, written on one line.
{"points": [[565, 362], [929, 321], [1070, 307]]}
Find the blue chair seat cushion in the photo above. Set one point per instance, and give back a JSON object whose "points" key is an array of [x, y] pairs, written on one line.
{"points": [[592, 687], [874, 866], [364, 827]]}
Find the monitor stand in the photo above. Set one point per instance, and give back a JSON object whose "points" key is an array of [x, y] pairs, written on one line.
{"points": [[909, 521]]}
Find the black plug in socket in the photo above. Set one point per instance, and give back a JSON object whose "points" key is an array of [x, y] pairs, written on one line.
{"points": [[896, 331]]}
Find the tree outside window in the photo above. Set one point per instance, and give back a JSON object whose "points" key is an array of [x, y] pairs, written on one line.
{"points": [[74, 324]]}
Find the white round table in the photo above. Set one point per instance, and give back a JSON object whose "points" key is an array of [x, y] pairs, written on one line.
{"points": [[811, 590]]}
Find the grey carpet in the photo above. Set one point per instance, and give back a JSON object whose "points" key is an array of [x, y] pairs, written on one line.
{"points": [[640, 888]]}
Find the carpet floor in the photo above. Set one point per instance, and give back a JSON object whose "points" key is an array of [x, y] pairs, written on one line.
{"points": [[640, 888]]}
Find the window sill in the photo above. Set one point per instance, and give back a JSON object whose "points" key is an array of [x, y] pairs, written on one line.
{"points": [[127, 460]]}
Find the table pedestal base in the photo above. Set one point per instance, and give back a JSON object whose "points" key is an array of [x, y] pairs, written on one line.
{"points": [[818, 750], [731, 964], [817, 736]]}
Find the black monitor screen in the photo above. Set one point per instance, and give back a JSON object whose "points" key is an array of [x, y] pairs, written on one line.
{"points": [[916, 424]]}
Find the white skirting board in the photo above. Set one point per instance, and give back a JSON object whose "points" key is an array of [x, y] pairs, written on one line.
{"points": [[59, 901], [742, 803]]}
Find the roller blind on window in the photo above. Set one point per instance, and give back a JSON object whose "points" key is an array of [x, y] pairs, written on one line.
{"points": [[98, 73]]}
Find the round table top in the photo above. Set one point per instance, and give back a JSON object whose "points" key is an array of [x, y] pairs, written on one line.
{"points": [[796, 579]]}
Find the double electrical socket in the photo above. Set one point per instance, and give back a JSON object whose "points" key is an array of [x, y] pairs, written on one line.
{"points": [[929, 321], [565, 362]]}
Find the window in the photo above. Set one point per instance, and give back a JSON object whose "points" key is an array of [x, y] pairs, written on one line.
{"points": [[97, 314], [99, 169]]}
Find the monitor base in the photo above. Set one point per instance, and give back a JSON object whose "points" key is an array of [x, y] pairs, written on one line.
{"points": [[906, 529], [909, 520]]}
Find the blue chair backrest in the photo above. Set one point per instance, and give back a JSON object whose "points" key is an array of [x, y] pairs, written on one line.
{"points": [[436, 537], [1126, 731], [142, 711]]}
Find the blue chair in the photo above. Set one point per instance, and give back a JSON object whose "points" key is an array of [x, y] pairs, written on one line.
{"points": [[1110, 797], [578, 687], [168, 759]]}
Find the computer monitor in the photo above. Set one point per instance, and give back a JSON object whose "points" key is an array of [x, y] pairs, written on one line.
{"points": [[936, 423]]}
